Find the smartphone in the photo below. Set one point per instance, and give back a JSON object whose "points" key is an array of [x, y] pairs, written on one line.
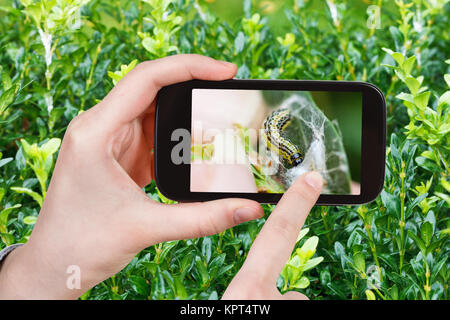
{"points": [[253, 138]]}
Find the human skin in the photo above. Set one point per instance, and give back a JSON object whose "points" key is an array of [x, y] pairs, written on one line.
{"points": [[97, 217]]}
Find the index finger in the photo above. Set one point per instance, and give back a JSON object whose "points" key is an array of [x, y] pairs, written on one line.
{"points": [[135, 92], [274, 244]]}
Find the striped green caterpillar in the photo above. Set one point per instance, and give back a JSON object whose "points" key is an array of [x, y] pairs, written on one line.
{"points": [[274, 125]]}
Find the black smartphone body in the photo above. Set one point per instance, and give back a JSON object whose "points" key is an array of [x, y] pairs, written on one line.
{"points": [[253, 138]]}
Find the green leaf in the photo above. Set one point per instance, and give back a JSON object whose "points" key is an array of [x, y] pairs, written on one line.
{"points": [[180, 290], [418, 242], [408, 64], [139, 285], [50, 147], [400, 74], [337, 290], [34, 10], [444, 128], [224, 270], [340, 253], [4, 216], [391, 202], [421, 100], [30, 220], [445, 98], [239, 42], [427, 164], [437, 268], [444, 197], [148, 44], [302, 233], [163, 198], [388, 66], [31, 151], [405, 97], [295, 262], [36, 196], [7, 238], [151, 266], [5, 161], [201, 268], [302, 283], [412, 84], [311, 263], [130, 66], [308, 249], [167, 247], [186, 262], [325, 277], [387, 50], [426, 232], [114, 76], [414, 204], [359, 262], [217, 262], [445, 184], [2, 193], [398, 57], [354, 238], [285, 274], [393, 291], [42, 172], [6, 80], [447, 79], [206, 248], [370, 295], [55, 115]]}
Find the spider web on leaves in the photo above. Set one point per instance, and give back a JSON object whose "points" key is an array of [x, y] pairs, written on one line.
{"points": [[321, 143]]}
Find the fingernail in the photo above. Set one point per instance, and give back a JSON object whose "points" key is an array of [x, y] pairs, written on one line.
{"points": [[244, 214], [314, 179], [226, 63]]}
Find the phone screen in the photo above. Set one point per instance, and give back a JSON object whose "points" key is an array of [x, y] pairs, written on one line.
{"points": [[260, 141]]}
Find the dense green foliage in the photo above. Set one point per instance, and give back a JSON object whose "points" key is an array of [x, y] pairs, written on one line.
{"points": [[393, 248]]}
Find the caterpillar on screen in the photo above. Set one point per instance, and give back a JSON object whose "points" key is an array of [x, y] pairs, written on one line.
{"points": [[274, 125]]}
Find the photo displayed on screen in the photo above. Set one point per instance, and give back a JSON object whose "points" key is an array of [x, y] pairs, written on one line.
{"points": [[260, 141]]}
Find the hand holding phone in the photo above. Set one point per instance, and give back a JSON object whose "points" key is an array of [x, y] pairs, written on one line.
{"points": [[95, 217]]}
